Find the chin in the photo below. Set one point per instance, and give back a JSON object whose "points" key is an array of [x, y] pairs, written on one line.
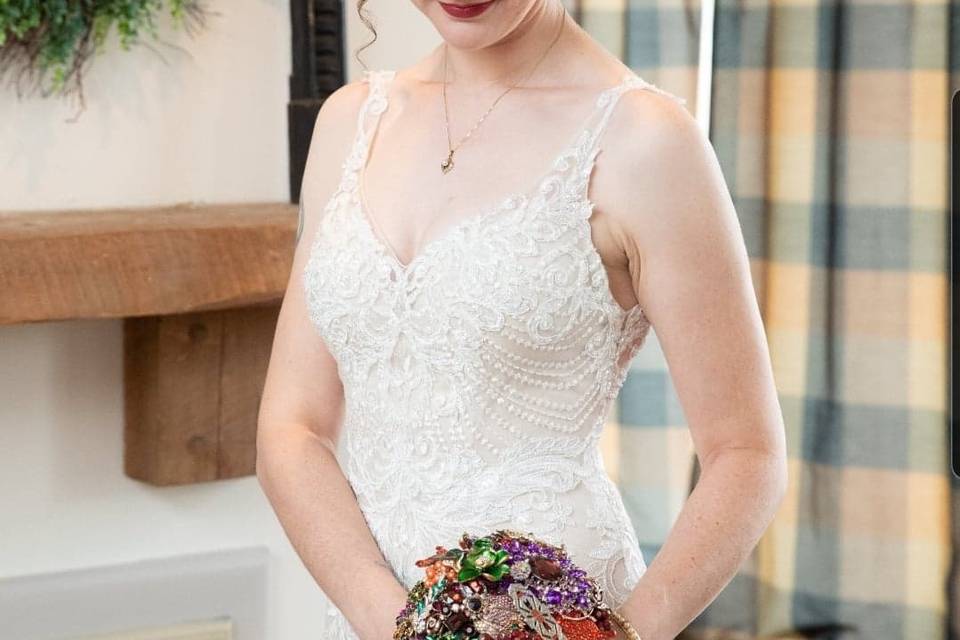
{"points": [[496, 22]]}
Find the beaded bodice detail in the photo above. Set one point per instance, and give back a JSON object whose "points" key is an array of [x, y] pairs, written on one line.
{"points": [[478, 377]]}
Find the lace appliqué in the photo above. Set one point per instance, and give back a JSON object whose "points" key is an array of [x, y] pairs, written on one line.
{"points": [[478, 377]]}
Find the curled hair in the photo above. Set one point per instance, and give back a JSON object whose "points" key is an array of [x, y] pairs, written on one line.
{"points": [[365, 19]]}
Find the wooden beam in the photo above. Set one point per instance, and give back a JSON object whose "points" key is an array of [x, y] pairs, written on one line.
{"points": [[193, 384], [199, 288], [116, 263]]}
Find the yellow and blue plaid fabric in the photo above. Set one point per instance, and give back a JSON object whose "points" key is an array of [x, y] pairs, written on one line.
{"points": [[830, 122]]}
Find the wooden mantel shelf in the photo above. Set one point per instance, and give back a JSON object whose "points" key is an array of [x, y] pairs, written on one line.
{"points": [[115, 263], [199, 289]]}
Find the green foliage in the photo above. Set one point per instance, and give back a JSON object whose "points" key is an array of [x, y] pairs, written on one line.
{"points": [[46, 44]]}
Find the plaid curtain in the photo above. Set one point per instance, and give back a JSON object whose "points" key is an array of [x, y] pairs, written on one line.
{"points": [[830, 121]]}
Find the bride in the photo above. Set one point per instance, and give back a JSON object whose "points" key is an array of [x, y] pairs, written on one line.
{"points": [[487, 238]]}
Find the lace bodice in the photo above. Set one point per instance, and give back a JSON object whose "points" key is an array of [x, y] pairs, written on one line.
{"points": [[478, 377]]}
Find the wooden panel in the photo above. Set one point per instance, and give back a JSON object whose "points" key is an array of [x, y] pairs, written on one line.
{"points": [[171, 405], [193, 388], [143, 262]]}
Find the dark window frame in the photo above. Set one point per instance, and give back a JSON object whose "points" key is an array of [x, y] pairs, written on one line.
{"points": [[317, 35]]}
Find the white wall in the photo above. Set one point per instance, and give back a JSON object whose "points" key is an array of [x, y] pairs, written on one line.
{"points": [[205, 122], [208, 126]]}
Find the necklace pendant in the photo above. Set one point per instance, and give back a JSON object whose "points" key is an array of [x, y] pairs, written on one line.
{"points": [[447, 164]]}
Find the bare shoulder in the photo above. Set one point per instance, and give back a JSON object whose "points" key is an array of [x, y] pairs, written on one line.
{"points": [[333, 132], [339, 110], [663, 189], [652, 135], [650, 112]]}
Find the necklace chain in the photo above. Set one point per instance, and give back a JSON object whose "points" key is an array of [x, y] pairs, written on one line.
{"points": [[447, 163]]}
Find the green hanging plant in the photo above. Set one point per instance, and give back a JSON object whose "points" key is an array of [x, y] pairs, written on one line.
{"points": [[46, 45]]}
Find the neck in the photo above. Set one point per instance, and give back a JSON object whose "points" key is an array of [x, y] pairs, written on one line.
{"points": [[512, 58]]}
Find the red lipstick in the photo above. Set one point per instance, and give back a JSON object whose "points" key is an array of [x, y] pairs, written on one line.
{"points": [[466, 10]]}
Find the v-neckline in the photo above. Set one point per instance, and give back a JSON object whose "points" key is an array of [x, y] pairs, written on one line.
{"points": [[481, 213]]}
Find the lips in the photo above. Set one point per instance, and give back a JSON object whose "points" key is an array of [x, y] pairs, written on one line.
{"points": [[466, 10]]}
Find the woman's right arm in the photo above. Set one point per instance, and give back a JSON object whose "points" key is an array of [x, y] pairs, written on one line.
{"points": [[300, 418]]}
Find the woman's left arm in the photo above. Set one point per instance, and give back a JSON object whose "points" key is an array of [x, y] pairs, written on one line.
{"points": [[677, 226]]}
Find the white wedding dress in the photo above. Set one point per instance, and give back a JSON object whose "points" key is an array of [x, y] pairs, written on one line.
{"points": [[478, 377]]}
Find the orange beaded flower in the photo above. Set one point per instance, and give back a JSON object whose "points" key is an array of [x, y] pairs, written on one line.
{"points": [[583, 629], [441, 564], [440, 569]]}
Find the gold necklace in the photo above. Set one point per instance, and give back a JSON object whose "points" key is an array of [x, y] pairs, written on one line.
{"points": [[447, 163]]}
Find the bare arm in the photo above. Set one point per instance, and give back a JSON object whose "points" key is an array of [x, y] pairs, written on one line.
{"points": [[678, 229], [300, 419]]}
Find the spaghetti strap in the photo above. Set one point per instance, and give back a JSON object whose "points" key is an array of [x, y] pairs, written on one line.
{"points": [[375, 104], [587, 146], [607, 102], [368, 118]]}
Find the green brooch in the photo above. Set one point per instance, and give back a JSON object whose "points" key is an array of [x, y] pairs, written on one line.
{"points": [[483, 560]]}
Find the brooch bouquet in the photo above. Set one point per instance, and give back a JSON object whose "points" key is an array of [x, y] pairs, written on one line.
{"points": [[504, 586]]}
